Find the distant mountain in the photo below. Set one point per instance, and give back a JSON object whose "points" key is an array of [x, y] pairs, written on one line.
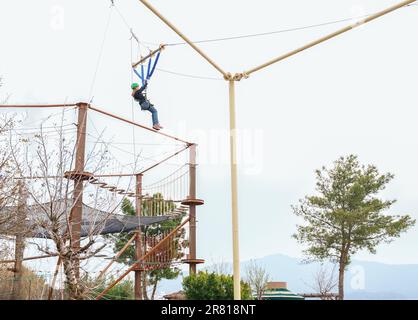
{"points": [[364, 280]]}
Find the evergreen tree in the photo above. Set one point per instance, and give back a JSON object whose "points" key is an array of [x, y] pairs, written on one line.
{"points": [[347, 215]]}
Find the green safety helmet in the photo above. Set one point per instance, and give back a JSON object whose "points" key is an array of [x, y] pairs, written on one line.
{"points": [[134, 85]]}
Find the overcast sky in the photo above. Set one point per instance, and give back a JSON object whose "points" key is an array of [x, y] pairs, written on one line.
{"points": [[354, 94]]}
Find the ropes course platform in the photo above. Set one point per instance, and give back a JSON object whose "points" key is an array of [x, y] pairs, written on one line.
{"points": [[193, 202], [172, 198], [74, 175], [193, 261]]}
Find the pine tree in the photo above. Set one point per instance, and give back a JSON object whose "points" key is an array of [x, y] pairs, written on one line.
{"points": [[347, 216]]}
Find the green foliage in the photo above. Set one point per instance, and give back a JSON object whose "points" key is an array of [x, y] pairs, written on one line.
{"points": [[122, 238], [167, 273], [148, 208], [347, 216], [152, 207], [124, 290], [212, 286]]}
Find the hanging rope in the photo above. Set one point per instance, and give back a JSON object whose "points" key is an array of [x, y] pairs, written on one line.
{"points": [[99, 59], [133, 37], [172, 188]]}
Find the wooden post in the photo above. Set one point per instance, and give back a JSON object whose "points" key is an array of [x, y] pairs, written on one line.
{"points": [[77, 209], [20, 243], [138, 240], [192, 210]]}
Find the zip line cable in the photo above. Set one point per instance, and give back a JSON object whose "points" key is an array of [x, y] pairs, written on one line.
{"points": [[132, 100], [238, 37], [254, 35], [146, 144], [37, 129], [130, 183], [49, 117], [189, 75], [48, 132], [107, 144], [153, 158], [261, 34], [144, 43], [90, 97], [121, 16]]}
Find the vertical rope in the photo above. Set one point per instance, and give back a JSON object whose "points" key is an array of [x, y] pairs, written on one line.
{"points": [[183, 187], [132, 107], [90, 97], [180, 184]]}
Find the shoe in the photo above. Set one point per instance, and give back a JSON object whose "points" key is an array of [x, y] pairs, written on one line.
{"points": [[156, 127], [160, 127]]}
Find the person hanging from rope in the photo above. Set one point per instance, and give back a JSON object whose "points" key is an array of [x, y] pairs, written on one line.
{"points": [[146, 105]]}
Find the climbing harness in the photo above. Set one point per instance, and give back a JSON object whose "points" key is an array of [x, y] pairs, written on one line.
{"points": [[145, 77]]}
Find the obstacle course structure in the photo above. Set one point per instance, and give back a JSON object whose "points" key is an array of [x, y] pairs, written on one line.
{"points": [[79, 176], [177, 199]]}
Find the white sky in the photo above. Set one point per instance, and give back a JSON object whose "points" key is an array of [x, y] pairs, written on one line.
{"points": [[354, 94]]}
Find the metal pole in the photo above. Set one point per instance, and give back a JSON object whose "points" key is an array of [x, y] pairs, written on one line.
{"points": [[172, 27], [192, 211], [330, 36], [138, 239], [76, 211], [234, 191]]}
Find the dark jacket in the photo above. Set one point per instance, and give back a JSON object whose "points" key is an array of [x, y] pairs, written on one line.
{"points": [[139, 96]]}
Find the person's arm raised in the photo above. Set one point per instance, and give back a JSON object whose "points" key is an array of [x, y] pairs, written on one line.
{"points": [[143, 87]]}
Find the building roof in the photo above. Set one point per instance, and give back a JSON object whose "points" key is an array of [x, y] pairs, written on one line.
{"points": [[279, 291], [280, 294]]}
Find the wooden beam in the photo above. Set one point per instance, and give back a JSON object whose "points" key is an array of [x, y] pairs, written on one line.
{"points": [[30, 258], [164, 160], [151, 54], [137, 124], [17, 106], [181, 35], [116, 257]]}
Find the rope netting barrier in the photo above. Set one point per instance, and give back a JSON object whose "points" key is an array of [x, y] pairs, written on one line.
{"points": [[104, 193]]}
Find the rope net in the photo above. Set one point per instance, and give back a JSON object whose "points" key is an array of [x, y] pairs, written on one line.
{"points": [[50, 139]]}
